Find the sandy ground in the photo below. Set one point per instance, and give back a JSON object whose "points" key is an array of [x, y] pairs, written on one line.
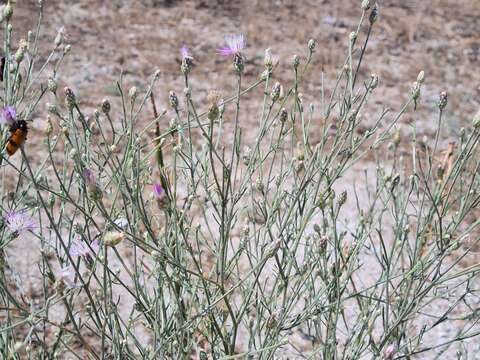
{"points": [[138, 37]]}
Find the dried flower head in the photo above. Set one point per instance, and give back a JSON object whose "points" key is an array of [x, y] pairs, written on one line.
{"points": [[69, 98], [106, 107], [443, 100], [113, 238], [213, 99], [173, 100]]}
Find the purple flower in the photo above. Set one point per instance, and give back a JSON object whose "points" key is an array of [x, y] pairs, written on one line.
{"points": [[80, 248], [158, 191], [89, 177], [8, 115], [185, 53], [19, 222], [235, 44], [67, 275]]}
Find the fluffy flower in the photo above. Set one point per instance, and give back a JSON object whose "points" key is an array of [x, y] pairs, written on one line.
{"points": [[8, 115], [80, 248], [19, 222], [235, 44], [185, 53]]}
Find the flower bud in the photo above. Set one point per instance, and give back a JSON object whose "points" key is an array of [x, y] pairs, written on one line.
{"points": [[476, 120], [49, 126], [67, 49], [373, 15], [443, 100], [342, 199], [365, 4], [8, 11], [283, 115], [133, 92], [106, 107], [173, 100], [311, 45], [60, 37], [276, 89], [69, 98], [421, 77], [374, 82], [296, 62], [22, 48], [52, 85]]}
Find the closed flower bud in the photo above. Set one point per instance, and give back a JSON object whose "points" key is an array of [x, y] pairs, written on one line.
{"points": [[69, 98], [8, 11], [476, 120], [276, 89], [67, 49], [22, 48], [296, 61], [312, 44], [283, 115], [238, 63], [52, 108], [213, 99], [113, 238], [173, 100], [60, 37], [443, 100], [52, 85], [365, 4], [353, 36], [49, 127], [342, 199], [106, 107], [421, 77], [374, 14], [132, 92], [374, 82]]}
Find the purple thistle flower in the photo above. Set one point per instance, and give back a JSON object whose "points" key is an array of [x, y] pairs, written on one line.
{"points": [[79, 248], [19, 222], [235, 44], [67, 275], [158, 191], [8, 115], [185, 52]]}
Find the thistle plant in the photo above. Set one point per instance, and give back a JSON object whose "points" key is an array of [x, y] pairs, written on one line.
{"points": [[177, 237]]}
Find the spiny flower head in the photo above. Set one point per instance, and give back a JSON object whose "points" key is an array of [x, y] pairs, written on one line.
{"points": [[187, 60], [235, 44], [19, 222], [8, 115]]}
